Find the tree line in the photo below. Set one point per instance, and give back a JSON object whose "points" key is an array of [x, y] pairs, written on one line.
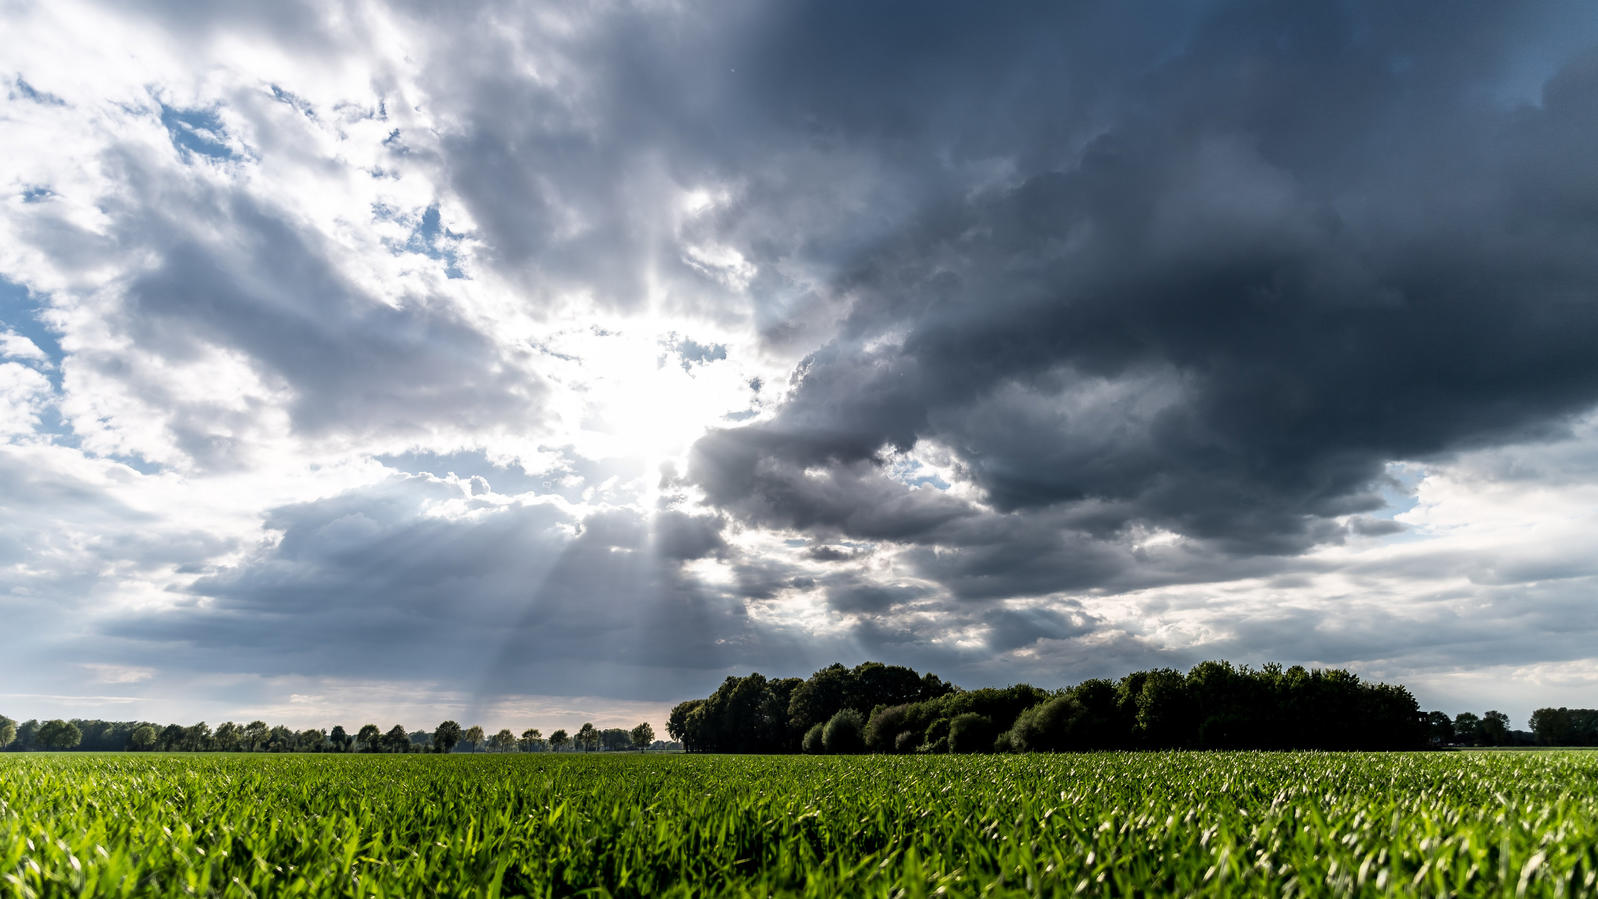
{"points": [[891, 709], [1565, 727], [143, 736]]}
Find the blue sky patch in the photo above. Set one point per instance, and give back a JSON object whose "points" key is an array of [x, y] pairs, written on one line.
{"points": [[27, 91], [428, 237], [197, 131], [19, 312]]}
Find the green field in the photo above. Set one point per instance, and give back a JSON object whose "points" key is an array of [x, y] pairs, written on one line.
{"points": [[1178, 823]]}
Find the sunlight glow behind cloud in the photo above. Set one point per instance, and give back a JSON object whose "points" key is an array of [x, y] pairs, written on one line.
{"points": [[518, 362]]}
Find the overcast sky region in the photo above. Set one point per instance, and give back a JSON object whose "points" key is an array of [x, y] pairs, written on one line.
{"points": [[532, 364]]}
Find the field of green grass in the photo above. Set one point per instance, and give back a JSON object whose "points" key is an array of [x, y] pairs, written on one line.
{"points": [[1463, 824]]}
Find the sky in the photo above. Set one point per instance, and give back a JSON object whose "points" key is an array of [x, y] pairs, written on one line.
{"points": [[532, 364]]}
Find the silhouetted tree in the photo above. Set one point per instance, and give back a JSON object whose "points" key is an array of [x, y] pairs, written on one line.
{"points": [[684, 722], [446, 736], [558, 740], [366, 739], [473, 738], [1439, 728], [970, 732], [1494, 728], [1565, 727], [842, 733], [1215, 704]]}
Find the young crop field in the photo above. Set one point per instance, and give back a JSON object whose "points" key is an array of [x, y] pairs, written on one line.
{"points": [[1467, 824]]}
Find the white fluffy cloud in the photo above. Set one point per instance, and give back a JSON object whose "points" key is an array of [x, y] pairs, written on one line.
{"points": [[365, 355]]}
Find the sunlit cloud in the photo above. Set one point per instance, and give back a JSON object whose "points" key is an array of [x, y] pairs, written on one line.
{"points": [[362, 358]]}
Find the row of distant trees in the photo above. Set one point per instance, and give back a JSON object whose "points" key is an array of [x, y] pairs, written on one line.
{"points": [[884, 708], [1489, 729], [257, 736]]}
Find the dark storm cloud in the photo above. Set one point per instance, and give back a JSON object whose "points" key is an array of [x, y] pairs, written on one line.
{"points": [[826, 553], [875, 598], [1128, 269], [369, 583], [1299, 245]]}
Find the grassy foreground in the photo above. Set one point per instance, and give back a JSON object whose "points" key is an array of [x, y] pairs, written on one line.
{"points": [[1171, 823]]}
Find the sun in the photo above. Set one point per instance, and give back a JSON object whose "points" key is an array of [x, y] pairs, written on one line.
{"points": [[646, 403]]}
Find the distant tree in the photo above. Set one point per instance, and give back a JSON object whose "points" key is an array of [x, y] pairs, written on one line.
{"points": [[1050, 726], [197, 737], [473, 737], [280, 739], [143, 738], [58, 734], [367, 738], [28, 734], [558, 740], [171, 739], [255, 736], [226, 738], [1467, 728], [886, 725], [504, 741], [587, 738], [812, 743], [8, 731], [1494, 728], [339, 738], [396, 740], [842, 733], [682, 723], [820, 697], [1565, 727], [1439, 728], [970, 732], [532, 740], [615, 739], [642, 736], [446, 736]]}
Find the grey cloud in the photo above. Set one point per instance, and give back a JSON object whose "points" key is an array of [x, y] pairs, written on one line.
{"points": [[825, 553], [356, 363], [682, 536], [1284, 261], [517, 598], [1135, 269], [757, 472], [1010, 629], [874, 598]]}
